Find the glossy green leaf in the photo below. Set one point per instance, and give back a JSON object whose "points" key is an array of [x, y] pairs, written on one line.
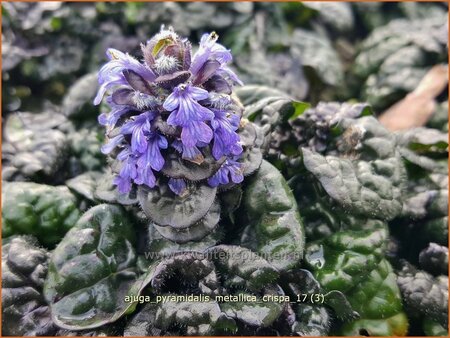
{"points": [[361, 187], [352, 261], [44, 211], [378, 301], [85, 184], [92, 270], [275, 229]]}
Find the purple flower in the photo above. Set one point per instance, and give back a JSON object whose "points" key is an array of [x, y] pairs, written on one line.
{"points": [[212, 55], [111, 73], [152, 156], [226, 140], [139, 128], [112, 143], [192, 154], [128, 171], [178, 186], [230, 169], [189, 114]]}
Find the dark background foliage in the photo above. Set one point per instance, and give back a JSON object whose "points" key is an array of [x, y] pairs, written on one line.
{"points": [[376, 241]]}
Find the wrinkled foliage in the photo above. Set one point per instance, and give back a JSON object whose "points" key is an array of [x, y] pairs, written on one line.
{"points": [[28, 154], [424, 295], [24, 268], [92, 269], [354, 181], [274, 224], [44, 211], [224, 270], [394, 58]]}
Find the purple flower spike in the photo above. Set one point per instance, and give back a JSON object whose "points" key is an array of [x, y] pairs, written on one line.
{"points": [[170, 100]]}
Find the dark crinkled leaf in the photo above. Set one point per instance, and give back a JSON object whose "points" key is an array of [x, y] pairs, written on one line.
{"points": [[198, 319], [85, 184], [92, 270], [379, 304], [85, 145], [141, 324], [318, 54], [259, 314], [424, 140], [424, 294], [230, 201], [175, 167], [106, 191], [219, 271], [251, 94], [155, 246], [338, 15], [434, 259], [357, 187], [395, 57], [46, 212], [24, 310], [192, 270], [275, 228], [78, 100], [312, 321], [163, 207], [35, 148], [316, 129], [251, 160], [252, 138], [241, 265], [195, 232]]}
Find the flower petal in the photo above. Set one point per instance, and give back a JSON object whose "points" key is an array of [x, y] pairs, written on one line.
{"points": [[206, 71], [123, 96], [194, 132], [178, 186], [114, 142], [172, 102]]}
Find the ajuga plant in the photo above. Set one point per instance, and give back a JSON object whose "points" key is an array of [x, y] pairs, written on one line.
{"points": [[175, 133], [174, 215]]}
